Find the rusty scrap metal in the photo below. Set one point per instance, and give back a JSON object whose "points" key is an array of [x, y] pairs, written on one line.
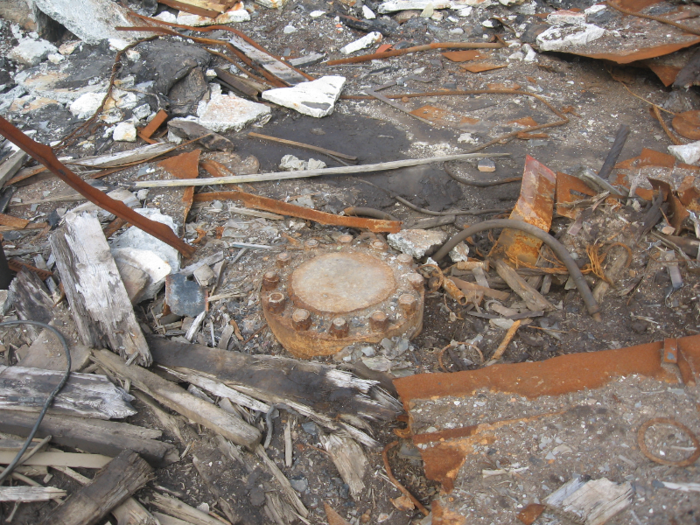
{"points": [[414, 49], [402, 489], [17, 265], [285, 208], [324, 298], [558, 249], [46, 156], [641, 434]]}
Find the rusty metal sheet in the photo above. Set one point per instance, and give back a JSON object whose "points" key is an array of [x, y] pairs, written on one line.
{"points": [[45, 156], [535, 206], [464, 56], [285, 208], [481, 67], [442, 116], [678, 212], [566, 184], [184, 166], [688, 124]]}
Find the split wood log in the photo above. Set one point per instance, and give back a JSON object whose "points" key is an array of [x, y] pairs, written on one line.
{"points": [[349, 459], [58, 459], [179, 400], [30, 494], [533, 299], [93, 435], [85, 395], [31, 300], [180, 510], [123, 476], [174, 425], [11, 165], [329, 396], [99, 302], [613, 272]]}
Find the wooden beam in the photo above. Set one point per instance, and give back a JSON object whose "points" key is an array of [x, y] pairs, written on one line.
{"points": [[179, 400], [93, 435], [124, 475], [99, 302]]}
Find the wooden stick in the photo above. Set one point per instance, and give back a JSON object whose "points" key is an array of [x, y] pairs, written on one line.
{"points": [[533, 299], [302, 145], [285, 175], [506, 341]]}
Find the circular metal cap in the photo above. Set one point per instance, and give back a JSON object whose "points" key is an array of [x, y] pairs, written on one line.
{"points": [[339, 327], [404, 258], [378, 321], [275, 302], [341, 282], [345, 239], [283, 259], [408, 303], [270, 280], [301, 319]]}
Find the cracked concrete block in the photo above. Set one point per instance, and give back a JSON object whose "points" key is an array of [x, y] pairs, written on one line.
{"points": [[315, 99], [229, 112], [32, 52], [417, 242]]}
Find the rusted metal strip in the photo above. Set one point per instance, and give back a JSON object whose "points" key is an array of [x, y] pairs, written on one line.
{"points": [[17, 265], [670, 351], [45, 156], [284, 208], [153, 125], [188, 8]]}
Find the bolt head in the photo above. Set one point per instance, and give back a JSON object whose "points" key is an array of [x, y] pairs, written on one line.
{"points": [[378, 321], [283, 259], [416, 281], [301, 319], [270, 281], [276, 302], [345, 239], [379, 246], [404, 258], [408, 303], [339, 327], [311, 244]]}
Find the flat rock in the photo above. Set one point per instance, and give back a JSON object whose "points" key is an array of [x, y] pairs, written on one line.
{"points": [[143, 272], [486, 166], [31, 52], [229, 112], [315, 99], [417, 242], [85, 106], [567, 38]]}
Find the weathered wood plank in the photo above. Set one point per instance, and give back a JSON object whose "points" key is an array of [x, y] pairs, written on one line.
{"points": [[30, 494], [124, 475], [85, 395], [182, 511], [92, 435], [31, 300], [99, 302], [179, 400], [58, 459]]}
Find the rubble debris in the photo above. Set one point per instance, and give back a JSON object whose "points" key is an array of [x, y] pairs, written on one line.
{"points": [[31, 52], [333, 154], [366, 41], [359, 282], [315, 99], [533, 299], [122, 477], [416, 243], [414, 49], [180, 129], [392, 6], [11, 165], [124, 132], [592, 502], [292, 163], [349, 459], [486, 166], [686, 153], [229, 112]]}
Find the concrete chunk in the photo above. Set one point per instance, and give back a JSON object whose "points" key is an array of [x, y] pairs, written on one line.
{"points": [[393, 6], [229, 112], [31, 52], [315, 99], [417, 242], [363, 43]]}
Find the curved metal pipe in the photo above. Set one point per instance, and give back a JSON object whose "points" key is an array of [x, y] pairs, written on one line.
{"points": [[557, 247], [360, 211]]}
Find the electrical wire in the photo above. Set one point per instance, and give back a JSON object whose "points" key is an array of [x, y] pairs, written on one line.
{"points": [[5, 473]]}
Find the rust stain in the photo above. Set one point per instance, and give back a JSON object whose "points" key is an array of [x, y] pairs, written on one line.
{"points": [[625, 57], [527, 122], [184, 166], [443, 516], [565, 185], [530, 513], [688, 194], [535, 206], [292, 210], [553, 377]]}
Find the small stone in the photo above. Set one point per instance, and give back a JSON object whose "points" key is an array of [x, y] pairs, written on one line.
{"points": [[457, 31], [56, 58], [86, 105], [368, 13], [31, 52], [317, 14], [299, 484], [292, 163], [315, 99], [391, 6], [310, 428], [363, 43], [203, 507], [416, 242], [379, 363], [125, 132], [288, 30], [368, 351], [257, 497], [142, 194], [308, 60], [564, 17], [467, 138], [141, 112], [204, 275], [460, 253], [687, 153], [69, 47], [227, 17], [229, 112], [486, 166]]}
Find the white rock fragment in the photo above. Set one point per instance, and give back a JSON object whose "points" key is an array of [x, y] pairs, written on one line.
{"points": [[510, 2], [459, 253], [142, 271], [416, 242], [31, 52], [292, 163], [563, 17], [289, 29], [363, 43], [378, 363], [464, 11], [117, 44], [687, 153], [141, 112], [229, 112], [167, 16], [392, 6], [368, 13], [317, 14], [467, 138], [56, 58], [561, 38], [272, 4], [315, 99], [68, 48], [228, 17], [86, 105], [530, 53], [124, 132]]}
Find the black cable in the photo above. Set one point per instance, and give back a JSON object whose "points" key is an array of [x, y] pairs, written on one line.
{"points": [[5, 473], [610, 161]]}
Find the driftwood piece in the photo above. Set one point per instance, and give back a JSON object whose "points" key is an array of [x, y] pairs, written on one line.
{"points": [[321, 392], [179, 400], [124, 475], [349, 459], [30, 494], [31, 300], [86, 395], [612, 272], [58, 459], [92, 435], [94, 288], [180, 510], [533, 299]]}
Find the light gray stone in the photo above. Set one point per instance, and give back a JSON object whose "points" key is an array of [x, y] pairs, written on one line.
{"points": [[393, 6], [229, 112], [688, 153], [416, 242], [125, 132], [315, 99], [86, 105], [31, 52]]}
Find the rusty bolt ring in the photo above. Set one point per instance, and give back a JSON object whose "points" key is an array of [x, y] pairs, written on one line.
{"points": [[672, 422]]}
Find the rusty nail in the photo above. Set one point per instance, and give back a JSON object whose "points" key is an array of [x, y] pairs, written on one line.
{"points": [[275, 302], [283, 259], [345, 239], [404, 258], [407, 302], [301, 319], [416, 281], [378, 321], [379, 246], [312, 243], [270, 281], [339, 327]]}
